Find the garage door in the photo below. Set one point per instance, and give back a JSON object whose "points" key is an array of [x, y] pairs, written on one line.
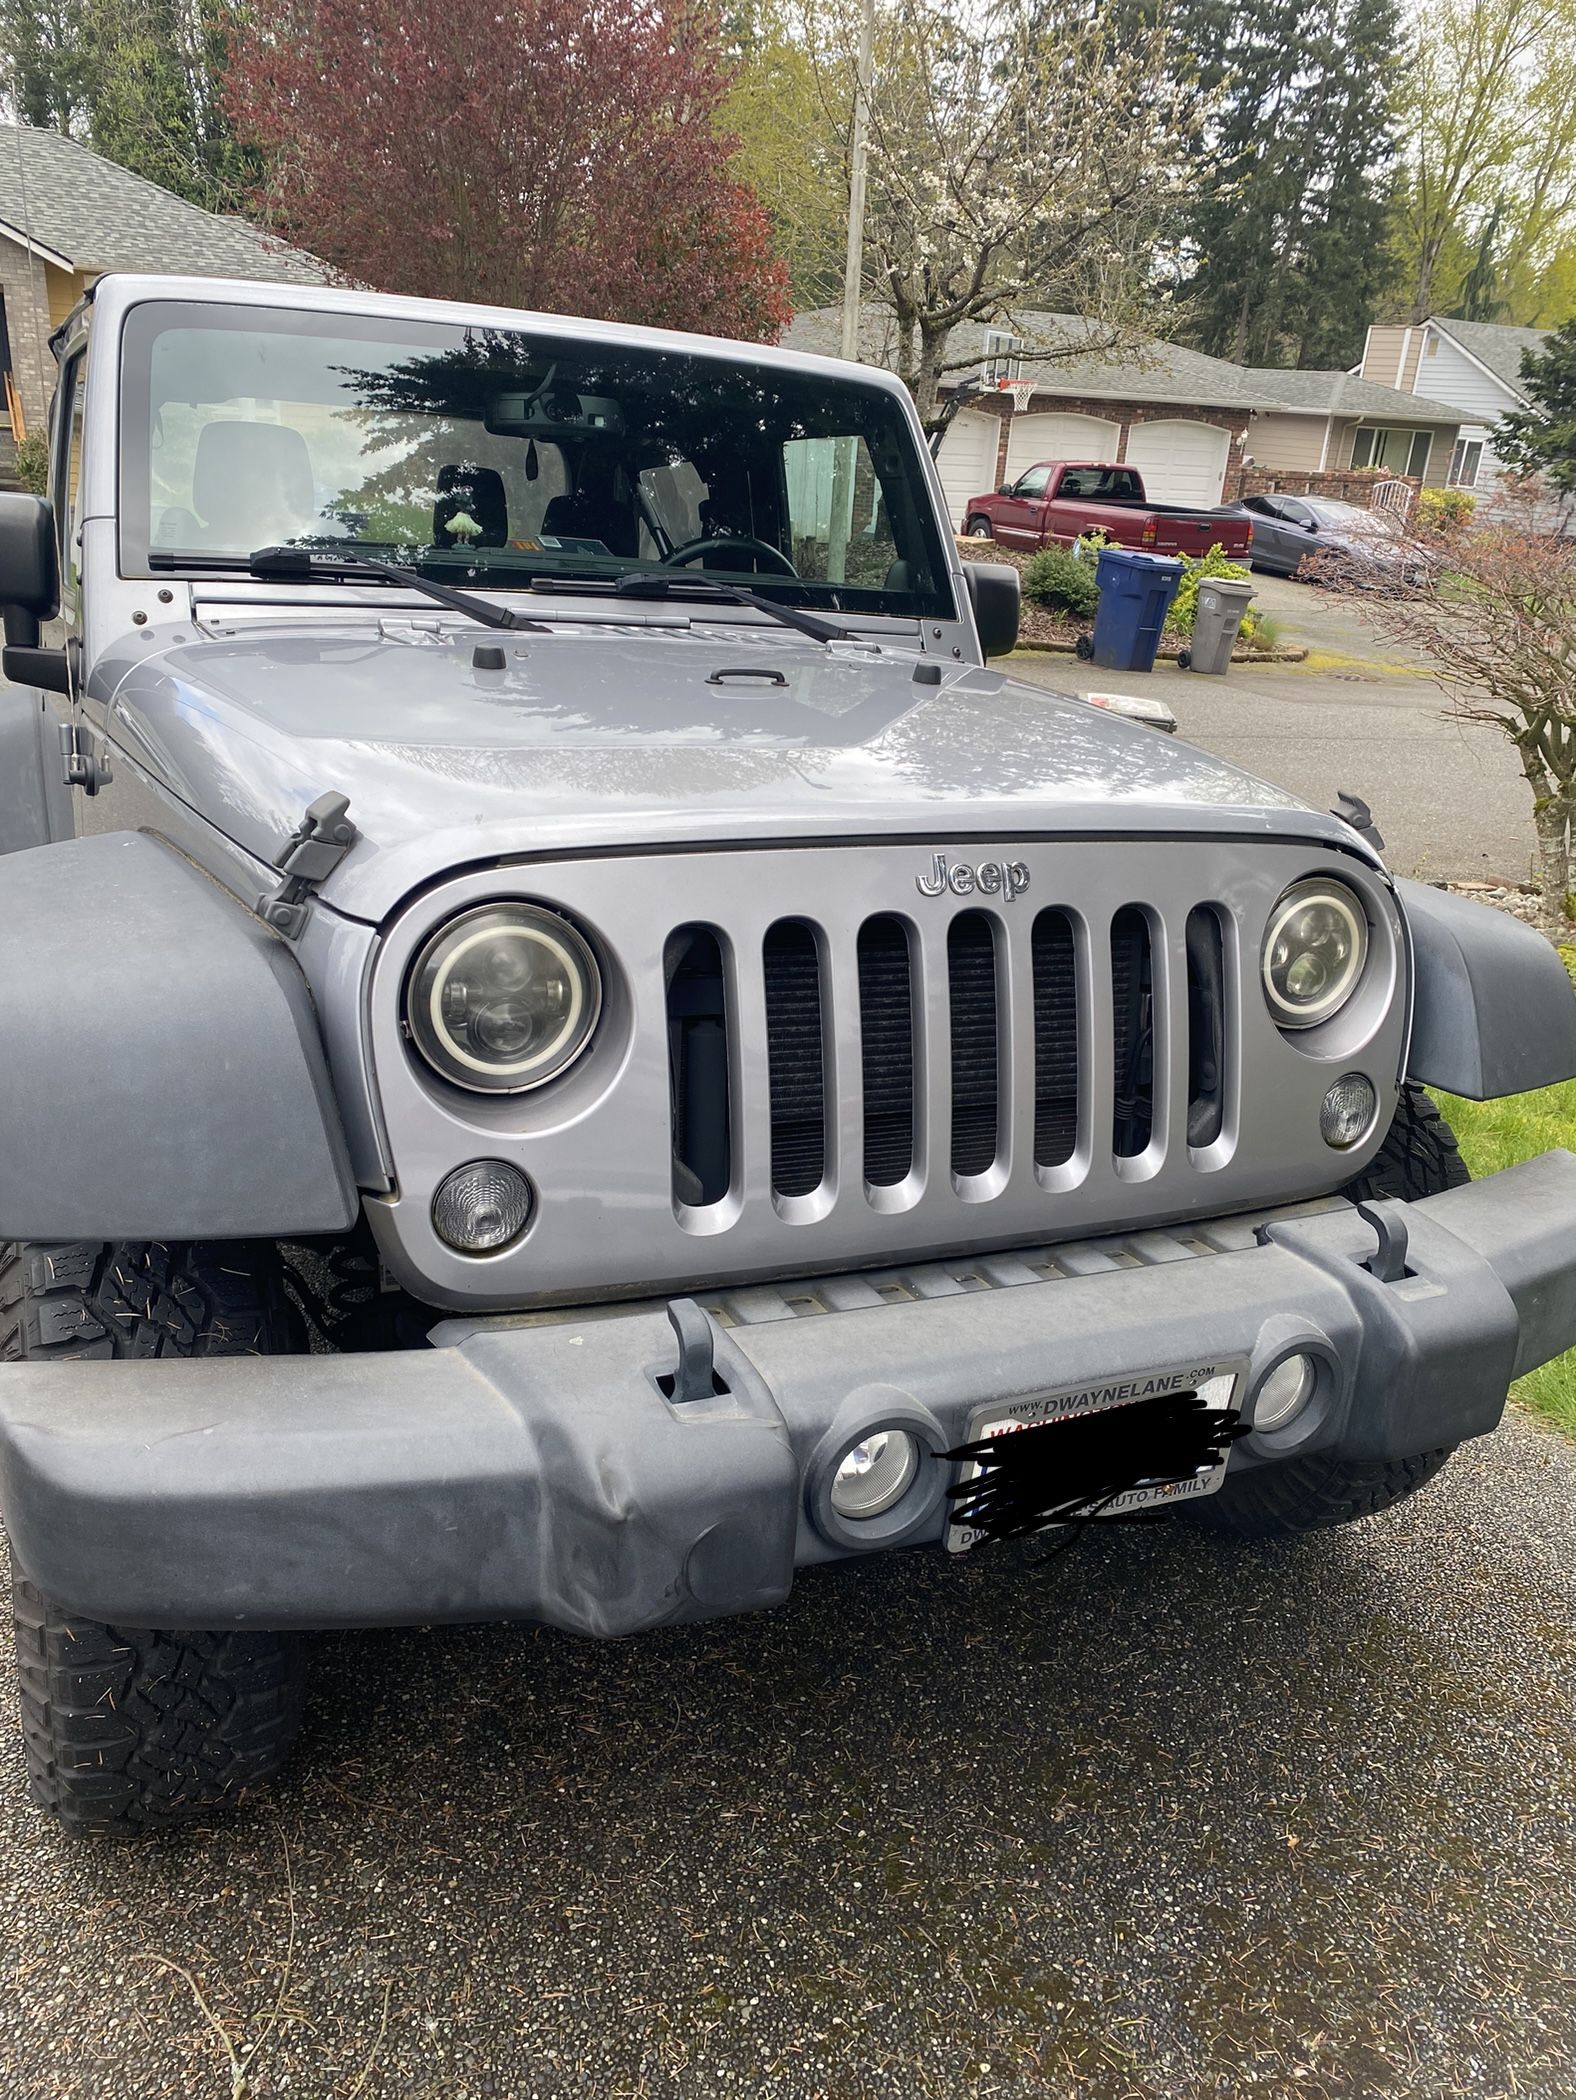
{"points": [[967, 460], [1037, 437], [1181, 462]]}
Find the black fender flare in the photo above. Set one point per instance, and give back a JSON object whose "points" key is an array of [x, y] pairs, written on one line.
{"points": [[162, 1075], [1493, 1008]]}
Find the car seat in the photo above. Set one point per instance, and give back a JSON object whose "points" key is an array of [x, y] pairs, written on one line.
{"points": [[252, 486]]}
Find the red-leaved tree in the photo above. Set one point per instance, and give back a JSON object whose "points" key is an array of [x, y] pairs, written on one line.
{"points": [[556, 154]]}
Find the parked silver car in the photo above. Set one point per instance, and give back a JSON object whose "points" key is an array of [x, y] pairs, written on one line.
{"points": [[1289, 530], [571, 1048]]}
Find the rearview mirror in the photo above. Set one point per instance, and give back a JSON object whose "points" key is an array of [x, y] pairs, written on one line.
{"points": [[29, 591], [29, 572], [993, 593]]}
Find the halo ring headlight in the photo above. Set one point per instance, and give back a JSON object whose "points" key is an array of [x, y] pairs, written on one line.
{"points": [[503, 998], [1315, 946]]}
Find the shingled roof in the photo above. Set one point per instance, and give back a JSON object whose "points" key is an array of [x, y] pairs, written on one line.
{"points": [[86, 213], [1494, 345], [1155, 371]]}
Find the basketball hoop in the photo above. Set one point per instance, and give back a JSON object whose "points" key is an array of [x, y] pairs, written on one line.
{"points": [[1018, 392]]}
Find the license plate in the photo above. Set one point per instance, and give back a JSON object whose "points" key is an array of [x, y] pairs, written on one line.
{"points": [[1215, 1385]]}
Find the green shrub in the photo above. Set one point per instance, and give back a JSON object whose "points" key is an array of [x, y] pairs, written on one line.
{"points": [[1261, 632], [32, 463], [1059, 581], [1445, 510], [1184, 607]]}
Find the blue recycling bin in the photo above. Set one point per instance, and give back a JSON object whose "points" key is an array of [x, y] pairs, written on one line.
{"points": [[1136, 591]]}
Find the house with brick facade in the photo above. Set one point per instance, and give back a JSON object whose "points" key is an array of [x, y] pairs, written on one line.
{"points": [[66, 216], [1200, 429]]}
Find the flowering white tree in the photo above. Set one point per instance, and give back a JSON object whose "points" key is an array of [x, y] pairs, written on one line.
{"points": [[1023, 154]]}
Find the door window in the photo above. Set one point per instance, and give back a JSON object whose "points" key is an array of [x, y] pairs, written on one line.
{"points": [[1033, 483], [65, 482], [839, 527]]}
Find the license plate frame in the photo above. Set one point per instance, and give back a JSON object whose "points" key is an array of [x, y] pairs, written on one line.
{"points": [[1066, 1403]]}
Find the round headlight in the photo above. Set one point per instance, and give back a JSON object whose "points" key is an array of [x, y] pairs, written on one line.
{"points": [[503, 998], [1314, 950]]}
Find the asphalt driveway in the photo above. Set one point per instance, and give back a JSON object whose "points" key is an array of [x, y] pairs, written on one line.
{"points": [[1165, 1817], [1359, 714]]}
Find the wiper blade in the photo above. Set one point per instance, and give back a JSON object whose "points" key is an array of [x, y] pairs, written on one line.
{"points": [[302, 565], [640, 583]]}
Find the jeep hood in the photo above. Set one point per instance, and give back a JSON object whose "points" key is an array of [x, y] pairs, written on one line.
{"points": [[605, 735]]}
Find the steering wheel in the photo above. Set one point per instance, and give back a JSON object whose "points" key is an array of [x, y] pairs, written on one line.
{"points": [[721, 543]]}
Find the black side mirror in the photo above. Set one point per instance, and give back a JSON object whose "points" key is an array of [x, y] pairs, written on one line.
{"points": [[29, 591], [993, 593], [1005, 489]]}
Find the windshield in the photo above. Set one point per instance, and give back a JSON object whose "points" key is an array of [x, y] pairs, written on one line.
{"points": [[1346, 517], [503, 457]]}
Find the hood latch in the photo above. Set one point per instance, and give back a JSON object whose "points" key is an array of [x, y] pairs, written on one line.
{"points": [[314, 850]]}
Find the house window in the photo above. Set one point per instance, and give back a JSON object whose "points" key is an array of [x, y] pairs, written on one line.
{"points": [[1465, 462], [1397, 451], [1003, 355]]}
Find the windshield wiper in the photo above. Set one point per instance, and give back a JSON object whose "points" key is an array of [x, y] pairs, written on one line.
{"points": [[302, 565], [640, 583]]}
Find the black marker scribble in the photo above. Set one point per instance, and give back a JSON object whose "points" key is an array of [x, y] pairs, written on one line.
{"points": [[1069, 1472]]}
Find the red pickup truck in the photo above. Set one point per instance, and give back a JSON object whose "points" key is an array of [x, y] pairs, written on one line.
{"points": [[1059, 500]]}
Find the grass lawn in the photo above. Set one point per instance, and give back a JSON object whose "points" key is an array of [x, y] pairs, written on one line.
{"points": [[1496, 1134]]}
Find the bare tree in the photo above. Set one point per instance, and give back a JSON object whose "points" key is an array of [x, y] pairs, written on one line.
{"points": [[1023, 154], [1494, 613]]}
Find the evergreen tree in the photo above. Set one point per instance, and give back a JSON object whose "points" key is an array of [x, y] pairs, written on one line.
{"points": [[1542, 438], [137, 80], [1289, 232]]}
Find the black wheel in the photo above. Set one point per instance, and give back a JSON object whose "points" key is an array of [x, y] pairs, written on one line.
{"points": [[1083, 648], [128, 1730], [1184, 658], [978, 529], [1419, 1157]]}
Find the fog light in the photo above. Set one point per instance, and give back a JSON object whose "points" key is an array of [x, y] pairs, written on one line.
{"points": [[1288, 1387], [481, 1207], [874, 1473], [1347, 1113]]}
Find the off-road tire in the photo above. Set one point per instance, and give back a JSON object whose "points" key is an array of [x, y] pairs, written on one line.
{"points": [[1419, 1157], [128, 1731]]}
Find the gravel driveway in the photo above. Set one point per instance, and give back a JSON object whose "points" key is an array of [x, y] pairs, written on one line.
{"points": [[1167, 1817]]}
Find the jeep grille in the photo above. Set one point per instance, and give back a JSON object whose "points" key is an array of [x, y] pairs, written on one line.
{"points": [[801, 1023]]}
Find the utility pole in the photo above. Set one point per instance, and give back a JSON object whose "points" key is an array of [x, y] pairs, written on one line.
{"points": [[854, 260]]}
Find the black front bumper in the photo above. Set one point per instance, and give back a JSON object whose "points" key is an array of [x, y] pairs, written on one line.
{"points": [[547, 1471]]}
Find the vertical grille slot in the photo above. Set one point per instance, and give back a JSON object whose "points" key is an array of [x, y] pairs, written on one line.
{"points": [[1206, 1025], [886, 1034], [1133, 1035], [698, 1065], [1055, 1039], [971, 990], [791, 964]]}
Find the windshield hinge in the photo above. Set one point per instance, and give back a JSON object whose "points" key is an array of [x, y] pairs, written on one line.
{"points": [[84, 758], [316, 847]]}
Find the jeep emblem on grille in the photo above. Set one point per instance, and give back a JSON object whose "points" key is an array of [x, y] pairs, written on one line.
{"points": [[992, 878]]}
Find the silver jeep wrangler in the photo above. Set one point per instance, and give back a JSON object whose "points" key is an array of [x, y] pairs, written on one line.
{"points": [[569, 1049]]}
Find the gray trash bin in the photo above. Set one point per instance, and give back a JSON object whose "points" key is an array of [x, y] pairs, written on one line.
{"points": [[1221, 605]]}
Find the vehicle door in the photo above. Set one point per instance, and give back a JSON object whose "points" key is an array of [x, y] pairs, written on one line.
{"points": [[1019, 519], [65, 486], [1276, 543], [1299, 532]]}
